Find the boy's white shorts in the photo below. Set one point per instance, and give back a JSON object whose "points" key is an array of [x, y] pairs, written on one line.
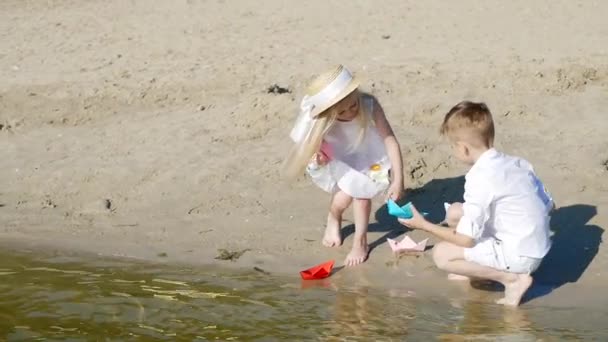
{"points": [[490, 252]]}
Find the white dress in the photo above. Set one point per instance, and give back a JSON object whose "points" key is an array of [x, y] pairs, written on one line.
{"points": [[360, 171]]}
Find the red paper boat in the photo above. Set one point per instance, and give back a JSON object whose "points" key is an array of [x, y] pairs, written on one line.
{"points": [[318, 272]]}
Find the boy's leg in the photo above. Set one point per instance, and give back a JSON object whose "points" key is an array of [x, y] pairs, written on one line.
{"points": [[454, 214], [452, 217], [450, 258], [358, 254], [339, 203]]}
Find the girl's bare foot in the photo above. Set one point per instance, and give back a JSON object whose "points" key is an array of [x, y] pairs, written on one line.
{"points": [[515, 290], [332, 237], [358, 254]]}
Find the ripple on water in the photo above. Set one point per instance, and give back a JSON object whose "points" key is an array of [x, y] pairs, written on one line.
{"points": [[92, 299]]}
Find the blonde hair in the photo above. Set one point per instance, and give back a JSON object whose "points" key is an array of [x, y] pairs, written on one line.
{"points": [[301, 153], [471, 122]]}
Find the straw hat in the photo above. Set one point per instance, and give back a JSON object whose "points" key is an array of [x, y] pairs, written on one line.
{"points": [[327, 89]]}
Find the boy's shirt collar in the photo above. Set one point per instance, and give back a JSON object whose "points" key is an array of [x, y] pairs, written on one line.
{"points": [[487, 155]]}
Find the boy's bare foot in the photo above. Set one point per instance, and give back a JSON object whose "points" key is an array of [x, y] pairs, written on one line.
{"points": [[332, 237], [457, 277], [515, 290], [358, 254]]}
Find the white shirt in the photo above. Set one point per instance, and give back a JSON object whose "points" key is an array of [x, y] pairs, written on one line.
{"points": [[504, 199], [343, 137]]}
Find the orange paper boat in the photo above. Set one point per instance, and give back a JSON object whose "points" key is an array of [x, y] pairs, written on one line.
{"points": [[318, 272]]}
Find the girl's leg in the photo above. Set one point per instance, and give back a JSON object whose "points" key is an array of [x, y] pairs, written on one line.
{"points": [[339, 203], [450, 258], [358, 254]]}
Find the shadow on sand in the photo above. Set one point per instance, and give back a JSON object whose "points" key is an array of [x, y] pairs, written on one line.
{"points": [[428, 198], [575, 242]]}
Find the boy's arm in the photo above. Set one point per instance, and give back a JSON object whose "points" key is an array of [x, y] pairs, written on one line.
{"points": [[448, 234], [476, 207], [478, 197], [393, 150]]}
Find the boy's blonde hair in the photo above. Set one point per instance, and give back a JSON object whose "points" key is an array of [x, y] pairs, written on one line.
{"points": [[301, 153], [471, 122]]}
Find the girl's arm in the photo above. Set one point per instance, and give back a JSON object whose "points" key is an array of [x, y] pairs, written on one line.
{"points": [[392, 147]]}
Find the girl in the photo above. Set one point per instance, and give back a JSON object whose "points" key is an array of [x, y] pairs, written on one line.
{"points": [[347, 146]]}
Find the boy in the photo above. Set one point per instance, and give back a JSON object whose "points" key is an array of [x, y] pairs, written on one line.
{"points": [[501, 231]]}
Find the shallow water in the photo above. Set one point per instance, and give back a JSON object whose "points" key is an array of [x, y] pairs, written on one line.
{"points": [[81, 299]]}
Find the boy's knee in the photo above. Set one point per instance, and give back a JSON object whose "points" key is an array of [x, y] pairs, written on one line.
{"points": [[445, 252], [454, 214], [441, 254]]}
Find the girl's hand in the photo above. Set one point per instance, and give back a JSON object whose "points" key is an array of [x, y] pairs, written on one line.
{"points": [[416, 222], [320, 158], [395, 191]]}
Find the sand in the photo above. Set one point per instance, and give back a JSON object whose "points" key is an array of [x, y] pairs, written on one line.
{"points": [[147, 130]]}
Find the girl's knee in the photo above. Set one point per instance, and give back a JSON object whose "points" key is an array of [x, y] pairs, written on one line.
{"points": [[363, 202], [340, 202], [339, 206], [362, 206]]}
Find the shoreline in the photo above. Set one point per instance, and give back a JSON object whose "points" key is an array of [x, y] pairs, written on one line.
{"points": [[408, 276]]}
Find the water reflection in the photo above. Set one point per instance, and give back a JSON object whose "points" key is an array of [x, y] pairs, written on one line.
{"points": [[483, 322], [95, 300]]}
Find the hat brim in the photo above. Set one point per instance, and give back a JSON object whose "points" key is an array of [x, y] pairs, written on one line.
{"points": [[352, 86]]}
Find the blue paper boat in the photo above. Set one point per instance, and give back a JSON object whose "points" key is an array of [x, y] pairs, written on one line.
{"points": [[404, 212]]}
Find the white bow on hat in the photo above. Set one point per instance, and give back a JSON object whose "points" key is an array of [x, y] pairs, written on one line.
{"points": [[305, 120]]}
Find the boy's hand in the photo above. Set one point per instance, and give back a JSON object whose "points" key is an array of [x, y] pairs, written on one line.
{"points": [[416, 222], [395, 191]]}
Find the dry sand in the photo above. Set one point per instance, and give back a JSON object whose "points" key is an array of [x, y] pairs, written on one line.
{"points": [[146, 130]]}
